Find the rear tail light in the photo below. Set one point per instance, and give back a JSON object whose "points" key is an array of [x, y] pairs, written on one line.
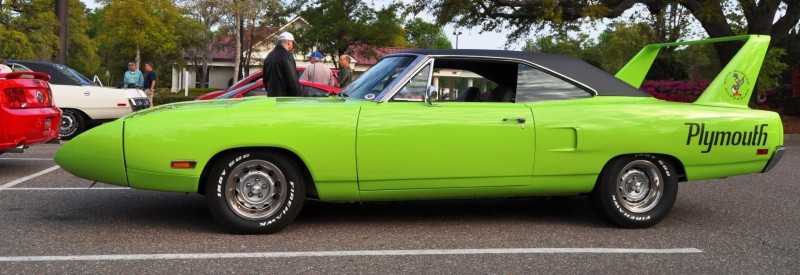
{"points": [[49, 100], [21, 98], [14, 98]]}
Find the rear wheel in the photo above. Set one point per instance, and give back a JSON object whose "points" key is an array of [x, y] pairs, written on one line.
{"points": [[636, 191], [254, 192], [72, 124]]}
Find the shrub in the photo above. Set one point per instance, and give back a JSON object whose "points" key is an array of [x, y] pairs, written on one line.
{"points": [[776, 99], [164, 96], [675, 90]]}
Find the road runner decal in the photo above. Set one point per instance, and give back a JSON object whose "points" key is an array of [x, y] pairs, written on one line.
{"points": [[708, 138]]}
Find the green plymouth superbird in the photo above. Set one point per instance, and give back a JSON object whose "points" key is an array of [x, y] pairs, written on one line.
{"points": [[444, 124]]}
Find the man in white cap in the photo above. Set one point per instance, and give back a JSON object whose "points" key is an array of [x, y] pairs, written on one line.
{"points": [[317, 72], [280, 69]]}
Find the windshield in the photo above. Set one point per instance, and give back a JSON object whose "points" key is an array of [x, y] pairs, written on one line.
{"points": [[374, 80], [74, 75], [234, 92], [249, 79]]}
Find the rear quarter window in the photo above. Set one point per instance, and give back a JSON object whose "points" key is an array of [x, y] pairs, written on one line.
{"points": [[536, 85]]}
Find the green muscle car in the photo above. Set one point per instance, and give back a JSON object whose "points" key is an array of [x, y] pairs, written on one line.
{"points": [[444, 124]]}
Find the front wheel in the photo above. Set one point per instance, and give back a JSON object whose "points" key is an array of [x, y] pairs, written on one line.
{"points": [[254, 192], [636, 191], [72, 124]]}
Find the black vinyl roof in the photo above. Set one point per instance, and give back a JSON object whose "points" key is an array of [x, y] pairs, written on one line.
{"points": [[603, 83], [56, 76]]}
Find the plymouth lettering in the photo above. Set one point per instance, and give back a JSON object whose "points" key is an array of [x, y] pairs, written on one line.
{"points": [[709, 139]]}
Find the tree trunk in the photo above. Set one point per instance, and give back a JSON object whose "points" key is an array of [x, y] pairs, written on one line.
{"points": [[238, 56], [247, 53], [138, 58]]}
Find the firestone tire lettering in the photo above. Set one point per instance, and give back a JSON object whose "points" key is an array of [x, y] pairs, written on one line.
{"points": [[242, 209], [635, 191]]}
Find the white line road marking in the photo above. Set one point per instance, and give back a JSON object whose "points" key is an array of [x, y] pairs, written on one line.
{"points": [[27, 158], [64, 188], [23, 179], [131, 257]]}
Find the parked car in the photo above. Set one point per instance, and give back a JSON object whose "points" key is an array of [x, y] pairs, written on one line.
{"points": [[307, 89], [83, 103], [28, 115], [257, 77], [551, 125]]}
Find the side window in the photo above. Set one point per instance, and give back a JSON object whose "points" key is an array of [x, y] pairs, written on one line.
{"points": [[415, 89], [462, 85], [535, 85]]}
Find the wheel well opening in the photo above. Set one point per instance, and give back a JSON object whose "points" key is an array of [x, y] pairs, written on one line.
{"points": [[678, 165], [311, 190], [79, 112]]}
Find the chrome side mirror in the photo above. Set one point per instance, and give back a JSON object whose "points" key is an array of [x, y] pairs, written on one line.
{"points": [[431, 95]]}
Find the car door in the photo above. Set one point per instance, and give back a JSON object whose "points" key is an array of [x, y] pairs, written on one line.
{"points": [[406, 143]]}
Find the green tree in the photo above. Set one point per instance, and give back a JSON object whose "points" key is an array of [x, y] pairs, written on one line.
{"points": [[249, 22], [33, 25], [29, 31], [523, 16], [424, 35], [81, 49], [128, 27], [15, 44], [621, 41], [348, 27], [209, 14]]}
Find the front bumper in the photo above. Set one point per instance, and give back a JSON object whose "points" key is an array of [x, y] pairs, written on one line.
{"points": [[139, 103]]}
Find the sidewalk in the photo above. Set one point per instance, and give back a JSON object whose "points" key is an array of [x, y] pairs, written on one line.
{"points": [[792, 140]]}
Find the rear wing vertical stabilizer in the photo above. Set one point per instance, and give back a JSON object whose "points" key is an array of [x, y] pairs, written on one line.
{"points": [[734, 85]]}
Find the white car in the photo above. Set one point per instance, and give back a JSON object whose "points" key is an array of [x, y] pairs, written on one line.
{"points": [[82, 102]]}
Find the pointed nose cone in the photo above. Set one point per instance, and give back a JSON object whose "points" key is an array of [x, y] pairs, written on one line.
{"points": [[96, 155]]}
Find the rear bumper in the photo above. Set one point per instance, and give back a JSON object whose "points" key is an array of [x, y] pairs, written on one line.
{"points": [[25, 127], [776, 157]]}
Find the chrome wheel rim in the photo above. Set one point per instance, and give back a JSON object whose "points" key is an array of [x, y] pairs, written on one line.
{"points": [[256, 189], [640, 186], [68, 124]]}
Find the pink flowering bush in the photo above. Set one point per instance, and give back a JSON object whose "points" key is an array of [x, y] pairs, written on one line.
{"points": [[675, 90], [777, 99]]}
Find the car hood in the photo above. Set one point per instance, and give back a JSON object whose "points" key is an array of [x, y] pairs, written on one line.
{"points": [[134, 93], [251, 102]]}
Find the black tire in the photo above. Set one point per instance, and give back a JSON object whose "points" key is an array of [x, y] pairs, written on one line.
{"points": [[72, 124], [244, 207], [635, 191]]}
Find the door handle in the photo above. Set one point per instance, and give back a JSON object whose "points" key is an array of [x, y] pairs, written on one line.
{"points": [[86, 93], [519, 119]]}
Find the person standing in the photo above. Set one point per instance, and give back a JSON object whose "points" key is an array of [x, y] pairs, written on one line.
{"points": [[149, 81], [280, 70], [133, 77], [317, 72], [345, 74], [3, 67]]}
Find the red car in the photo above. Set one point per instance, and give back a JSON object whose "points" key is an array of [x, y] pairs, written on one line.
{"points": [[257, 77], [307, 89], [28, 115]]}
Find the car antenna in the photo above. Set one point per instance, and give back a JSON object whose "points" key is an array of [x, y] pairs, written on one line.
{"points": [[93, 183]]}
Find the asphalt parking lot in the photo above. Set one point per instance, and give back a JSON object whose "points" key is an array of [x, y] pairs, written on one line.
{"points": [[53, 222]]}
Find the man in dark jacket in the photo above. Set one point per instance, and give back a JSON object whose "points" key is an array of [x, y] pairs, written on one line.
{"points": [[280, 70]]}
